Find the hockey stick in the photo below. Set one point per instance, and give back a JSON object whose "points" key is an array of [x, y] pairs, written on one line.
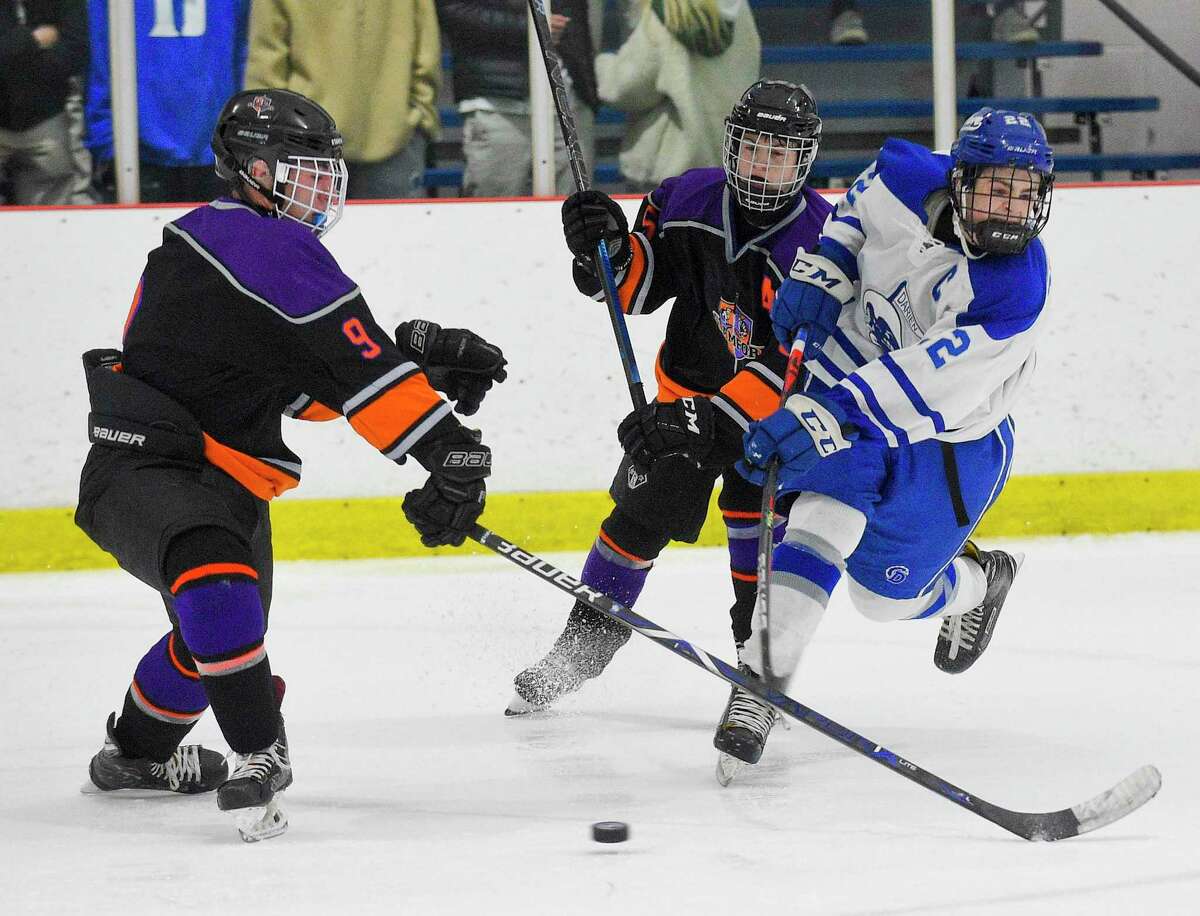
{"points": [[570, 134], [1125, 797], [766, 535]]}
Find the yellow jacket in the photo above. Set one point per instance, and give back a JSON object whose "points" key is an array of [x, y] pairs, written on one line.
{"points": [[375, 65]]}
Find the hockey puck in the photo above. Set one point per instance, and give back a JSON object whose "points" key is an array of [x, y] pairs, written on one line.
{"points": [[610, 832]]}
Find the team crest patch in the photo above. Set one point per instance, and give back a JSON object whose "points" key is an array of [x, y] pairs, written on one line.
{"points": [[886, 317], [262, 104], [738, 330]]}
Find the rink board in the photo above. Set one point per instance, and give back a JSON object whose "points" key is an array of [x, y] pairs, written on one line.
{"points": [[330, 529]]}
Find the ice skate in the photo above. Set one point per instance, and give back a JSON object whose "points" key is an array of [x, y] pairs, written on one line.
{"points": [[191, 769], [742, 732], [251, 791], [963, 637], [583, 651]]}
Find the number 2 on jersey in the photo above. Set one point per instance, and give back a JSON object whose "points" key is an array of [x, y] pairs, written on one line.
{"points": [[357, 335], [940, 350]]}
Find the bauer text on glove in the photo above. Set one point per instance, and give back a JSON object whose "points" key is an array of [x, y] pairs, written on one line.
{"points": [[459, 363]]}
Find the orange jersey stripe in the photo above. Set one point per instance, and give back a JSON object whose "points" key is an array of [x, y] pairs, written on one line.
{"points": [[260, 478], [181, 717], [318, 413], [186, 672], [396, 411], [751, 394], [737, 513], [743, 577], [625, 553], [213, 569], [229, 665], [669, 389], [133, 307], [633, 276], [650, 220]]}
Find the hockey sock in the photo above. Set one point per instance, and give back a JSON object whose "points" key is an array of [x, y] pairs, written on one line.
{"points": [[164, 701], [221, 619], [803, 577], [961, 587], [742, 529]]}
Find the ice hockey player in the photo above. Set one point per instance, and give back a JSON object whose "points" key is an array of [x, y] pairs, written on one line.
{"points": [[921, 306], [719, 241], [241, 317]]}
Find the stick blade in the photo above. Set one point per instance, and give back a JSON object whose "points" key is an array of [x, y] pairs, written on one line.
{"points": [[1111, 805], [1124, 798]]}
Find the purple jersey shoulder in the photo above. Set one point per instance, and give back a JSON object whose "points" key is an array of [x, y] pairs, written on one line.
{"points": [[802, 232], [278, 260]]}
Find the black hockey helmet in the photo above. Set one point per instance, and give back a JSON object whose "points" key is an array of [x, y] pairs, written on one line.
{"points": [[299, 142], [775, 131]]}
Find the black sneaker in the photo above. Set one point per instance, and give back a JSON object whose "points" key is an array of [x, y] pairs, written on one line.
{"points": [[191, 769], [583, 651], [963, 637], [745, 724]]}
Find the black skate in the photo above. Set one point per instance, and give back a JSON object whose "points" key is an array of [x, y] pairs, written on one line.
{"points": [[250, 792], [191, 769], [583, 651], [963, 637], [742, 732]]}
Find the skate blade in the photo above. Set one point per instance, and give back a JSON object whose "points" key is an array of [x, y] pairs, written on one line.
{"points": [[90, 788], [728, 767], [261, 823], [519, 706]]}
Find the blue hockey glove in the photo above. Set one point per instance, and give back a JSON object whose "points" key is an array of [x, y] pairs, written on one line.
{"points": [[810, 298], [805, 430]]}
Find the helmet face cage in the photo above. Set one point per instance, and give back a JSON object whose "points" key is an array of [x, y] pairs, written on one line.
{"points": [[310, 190], [1001, 181], [766, 170], [1000, 208]]}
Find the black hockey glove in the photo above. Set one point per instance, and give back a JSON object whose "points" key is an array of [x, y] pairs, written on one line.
{"points": [[588, 217], [459, 363], [690, 427], [445, 510]]}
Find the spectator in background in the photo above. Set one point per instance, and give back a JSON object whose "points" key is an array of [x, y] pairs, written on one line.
{"points": [[678, 75], [489, 42], [1009, 23], [190, 58], [376, 69], [43, 44]]}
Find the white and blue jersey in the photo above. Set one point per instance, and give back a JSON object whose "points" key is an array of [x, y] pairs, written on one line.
{"points": [[935, 345], [927, 360]]}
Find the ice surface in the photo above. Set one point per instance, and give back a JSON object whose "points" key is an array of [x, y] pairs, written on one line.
{"points": [[414, 793]]}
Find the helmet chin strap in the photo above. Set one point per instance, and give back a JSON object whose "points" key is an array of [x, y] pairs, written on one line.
{"points": [[961, 232]]}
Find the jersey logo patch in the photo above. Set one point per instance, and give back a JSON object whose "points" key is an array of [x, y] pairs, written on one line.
{"points": [[887, 316], [738, 330]]}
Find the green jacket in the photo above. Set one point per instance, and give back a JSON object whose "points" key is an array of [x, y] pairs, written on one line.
{"points": [[374, 64]]}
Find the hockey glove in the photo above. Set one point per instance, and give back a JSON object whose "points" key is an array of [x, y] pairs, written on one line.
{"points": [[588, 218], [689, 427], [445, 510], [811, 298], [458, 363], [799, 434]]}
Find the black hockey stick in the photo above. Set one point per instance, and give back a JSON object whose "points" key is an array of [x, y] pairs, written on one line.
{"points": [[566, 122], [1126, 796], [766, 534]]}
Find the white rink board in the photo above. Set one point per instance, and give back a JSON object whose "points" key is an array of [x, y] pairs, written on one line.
{"points": [[1116, 369]]}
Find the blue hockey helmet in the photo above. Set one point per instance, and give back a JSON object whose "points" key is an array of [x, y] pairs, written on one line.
{"points": [[1001, 181]]}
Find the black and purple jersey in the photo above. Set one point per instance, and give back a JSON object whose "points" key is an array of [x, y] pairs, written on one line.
{"points": [[688, 245], [244, 319]]}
